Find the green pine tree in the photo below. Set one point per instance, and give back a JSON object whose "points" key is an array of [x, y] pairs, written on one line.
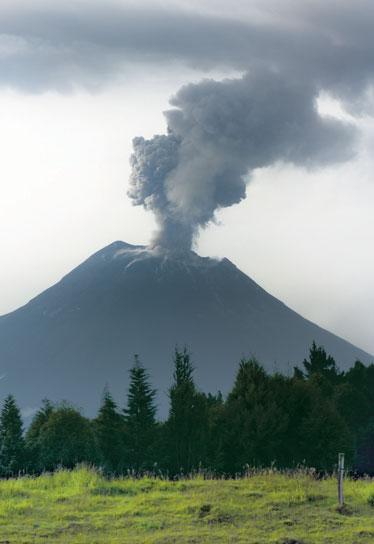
{"points": [[213, 442], [320, 365], [33, 435], [188, 418], [109, 430], [12, 446], [140, 418], [256, 423], [323, 434]]}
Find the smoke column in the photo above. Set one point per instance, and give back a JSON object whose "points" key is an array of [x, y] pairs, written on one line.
{"points": [[218, 133]]}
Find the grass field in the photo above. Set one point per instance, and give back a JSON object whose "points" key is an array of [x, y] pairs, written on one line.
{"points": [[82, 506]]}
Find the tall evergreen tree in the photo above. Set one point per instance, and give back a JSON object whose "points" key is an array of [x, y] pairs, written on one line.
{"points": [[33, 436], [213, 441], [321, 365], [109, 430], [256, 424], [364, 461], [12, 446], [361, 379], [140, 418], [188, 421], [324, 433], [299, 398]]}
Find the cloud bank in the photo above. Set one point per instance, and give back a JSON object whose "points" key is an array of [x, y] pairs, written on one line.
{"points": [[62, 45]]}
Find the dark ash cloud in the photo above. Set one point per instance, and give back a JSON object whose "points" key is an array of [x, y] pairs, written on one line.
{"points": [[218, 133]]}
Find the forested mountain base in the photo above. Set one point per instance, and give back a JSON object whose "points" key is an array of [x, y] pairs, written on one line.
{"points": [[266, 420], [266, 508]]}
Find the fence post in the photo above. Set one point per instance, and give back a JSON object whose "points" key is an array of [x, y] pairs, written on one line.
{"points": [[340, 478]]}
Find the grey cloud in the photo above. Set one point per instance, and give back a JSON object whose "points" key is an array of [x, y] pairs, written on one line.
{"points": [[78, 44], [91, 47]]}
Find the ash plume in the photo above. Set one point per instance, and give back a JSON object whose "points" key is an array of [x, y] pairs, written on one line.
{"points": [[218, 133]]}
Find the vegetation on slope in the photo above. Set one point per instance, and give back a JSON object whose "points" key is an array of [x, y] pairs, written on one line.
{"points": [[303, 419]]}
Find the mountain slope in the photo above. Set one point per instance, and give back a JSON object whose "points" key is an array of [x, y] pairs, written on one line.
{"points": [[82, 333]]}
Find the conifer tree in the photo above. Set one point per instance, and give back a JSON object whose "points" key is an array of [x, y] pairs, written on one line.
{"points": [[364, 462], [140, 418], [109, 429], [324, 433], [33, 435], [355, 402], [188, 421], [213, 442], [255, 423], [12, 447], [321, 365]]}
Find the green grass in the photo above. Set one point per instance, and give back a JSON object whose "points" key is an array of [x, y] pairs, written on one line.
{"points": [[83, 507]]}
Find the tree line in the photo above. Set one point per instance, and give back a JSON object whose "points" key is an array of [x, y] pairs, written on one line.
{"points": [[303, 419]]}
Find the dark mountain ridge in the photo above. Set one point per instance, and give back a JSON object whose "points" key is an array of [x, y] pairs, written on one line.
{"points": [[82, 333]]}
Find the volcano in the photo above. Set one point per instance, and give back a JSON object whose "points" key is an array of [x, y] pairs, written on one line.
{"points": [[82, 333]]}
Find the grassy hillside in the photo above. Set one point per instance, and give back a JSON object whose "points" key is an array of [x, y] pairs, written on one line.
{"points": [[81, 506]]}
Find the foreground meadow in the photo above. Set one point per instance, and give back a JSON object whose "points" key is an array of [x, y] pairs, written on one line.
{"points": [[83, 507]]}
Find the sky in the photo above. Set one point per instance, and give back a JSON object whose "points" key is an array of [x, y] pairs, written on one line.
{"points": [[80, 79]]}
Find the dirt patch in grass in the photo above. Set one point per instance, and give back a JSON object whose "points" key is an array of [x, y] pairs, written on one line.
{"points": [[205, 509], [221, 518], [290, 541], [315, 498], [344, 510]]}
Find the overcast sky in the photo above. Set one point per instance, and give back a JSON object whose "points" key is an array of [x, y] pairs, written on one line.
{"points": [[80, 79]]}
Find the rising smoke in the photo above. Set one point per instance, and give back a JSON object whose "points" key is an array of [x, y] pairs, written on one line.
{"points": [[219, 132]]}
